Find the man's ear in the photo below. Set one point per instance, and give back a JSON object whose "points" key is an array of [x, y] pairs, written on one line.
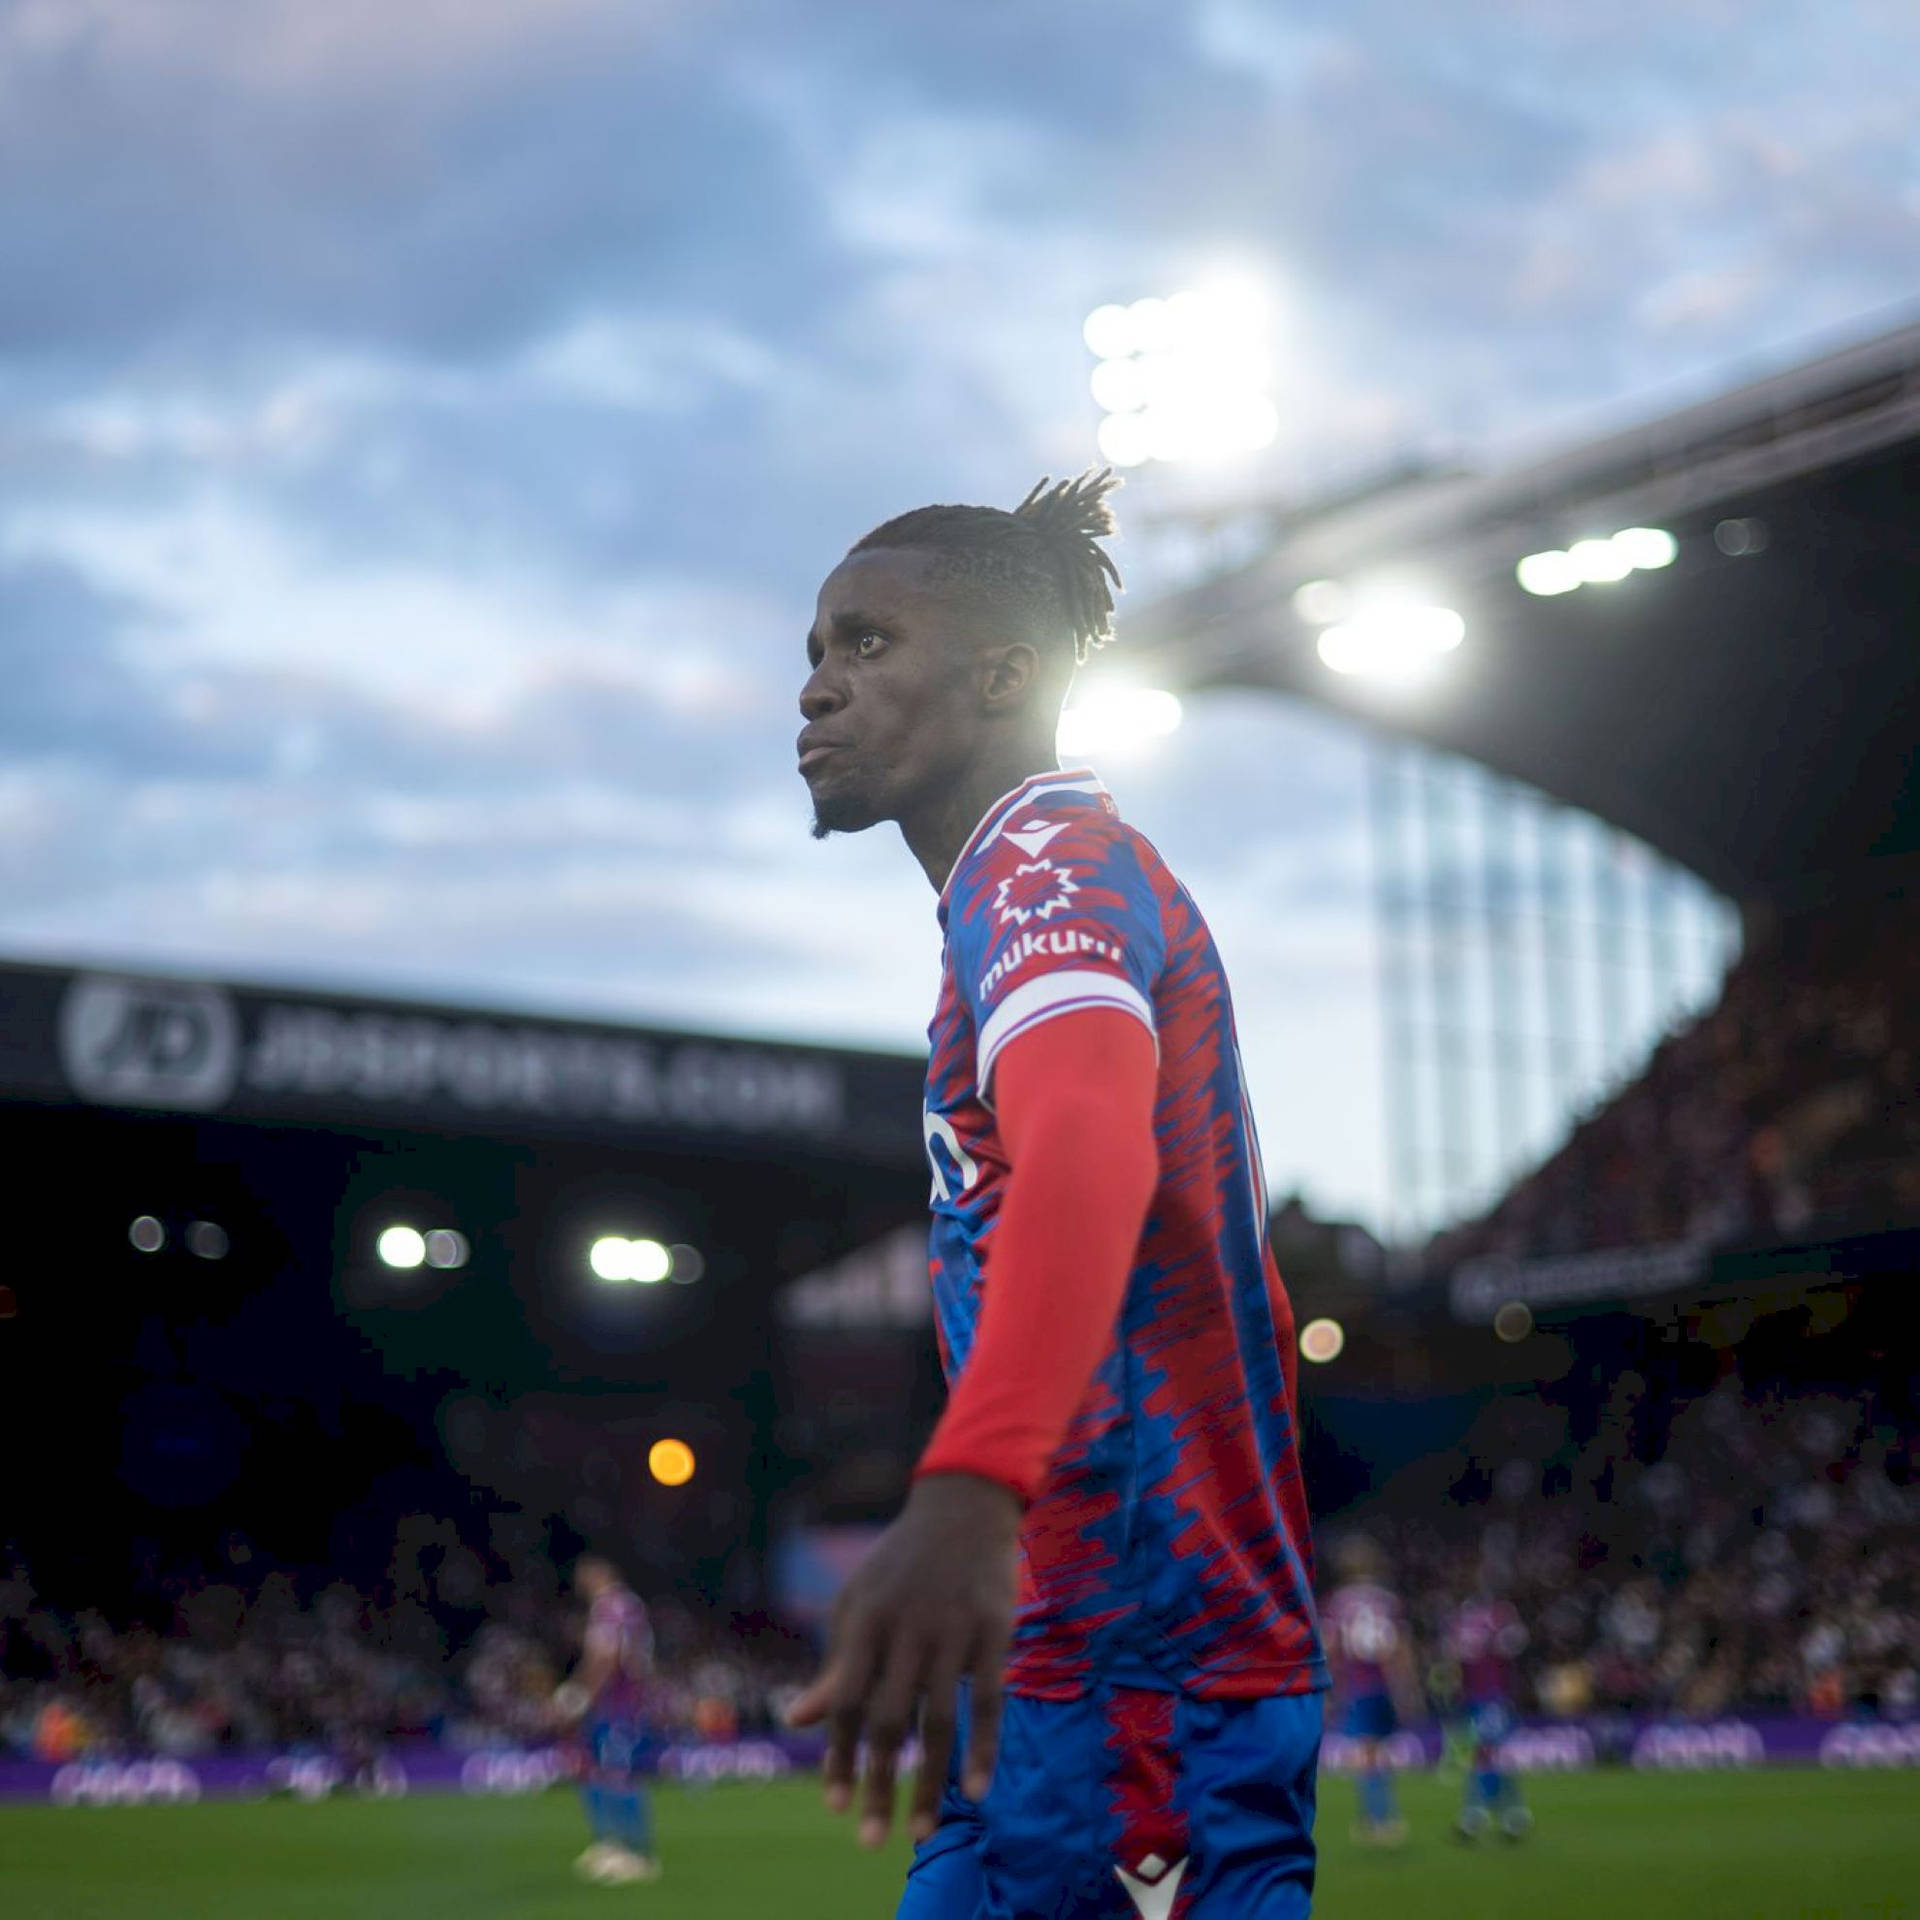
{"points": [[1011, 674]]}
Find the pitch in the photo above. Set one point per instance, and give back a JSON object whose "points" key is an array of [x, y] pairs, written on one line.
{"points": [[1784, 1845]]}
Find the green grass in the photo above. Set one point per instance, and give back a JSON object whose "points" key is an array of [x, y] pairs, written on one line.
{"points": [[1751, 1846]]}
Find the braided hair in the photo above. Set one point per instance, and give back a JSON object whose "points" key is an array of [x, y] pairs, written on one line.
{"points": [[1042, 563]]}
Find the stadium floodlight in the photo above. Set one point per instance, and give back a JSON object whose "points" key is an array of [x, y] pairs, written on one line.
{"points": [[615, 1258], [1320, 603], [1391, 642], [1597, 562], [147, 1234], [1649, 548], [1322, 1340], [670, 1462], [1548, 573], [446, 1249], [1108, 333], [1117, 719], [401, 1247], [1183, 378], [608, 1257]]}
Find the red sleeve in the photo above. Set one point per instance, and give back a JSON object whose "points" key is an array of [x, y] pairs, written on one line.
{"points": [[1074, 1099]]}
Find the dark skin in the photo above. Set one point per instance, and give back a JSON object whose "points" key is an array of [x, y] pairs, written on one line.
{"points": [[921, 712]]}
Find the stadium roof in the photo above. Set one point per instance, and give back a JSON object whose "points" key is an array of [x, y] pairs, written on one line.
{"points": [[1754, 715]]}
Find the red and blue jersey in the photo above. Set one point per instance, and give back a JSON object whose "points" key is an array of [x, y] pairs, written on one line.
{"points": [[1366, 1632], [618, 1628], [1485, 1637], [1169, 1547]]}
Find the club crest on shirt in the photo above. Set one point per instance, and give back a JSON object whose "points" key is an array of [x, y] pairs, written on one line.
{"points": [[1034, 890]]}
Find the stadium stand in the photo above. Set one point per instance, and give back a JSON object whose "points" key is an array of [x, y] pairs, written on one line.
{"points": [[1744, 1549], [1792, 1107]]}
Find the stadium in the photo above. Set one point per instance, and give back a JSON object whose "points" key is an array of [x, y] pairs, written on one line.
{"points": [[342, 1333]]}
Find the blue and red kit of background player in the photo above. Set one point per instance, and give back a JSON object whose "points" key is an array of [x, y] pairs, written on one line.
{"points": [[1162, 1726]]}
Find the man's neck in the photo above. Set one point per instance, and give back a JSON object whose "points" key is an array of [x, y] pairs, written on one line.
{"points": [[936, 833]]}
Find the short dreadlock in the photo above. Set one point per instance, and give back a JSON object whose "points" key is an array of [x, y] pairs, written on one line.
{"points": [[1042, 562]]}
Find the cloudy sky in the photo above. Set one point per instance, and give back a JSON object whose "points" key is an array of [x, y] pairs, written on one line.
{"points": [[423, 426]]}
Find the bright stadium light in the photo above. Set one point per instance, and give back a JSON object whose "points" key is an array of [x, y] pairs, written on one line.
{"points": [[1117, 719], [649, 1261], [1597, 562], [1649, 548], [1391, 642], [1322, 1340], [1183, 378], [1548, 573], [1108, 333], [615, 1258], [608, 1257], [403, 1247], [1321, 602]]}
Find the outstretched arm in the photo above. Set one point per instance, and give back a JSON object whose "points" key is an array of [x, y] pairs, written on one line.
{"points": [[934, 1601]]}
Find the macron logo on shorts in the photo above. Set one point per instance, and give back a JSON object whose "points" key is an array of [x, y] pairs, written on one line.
{"points": [[1155, 1887]]}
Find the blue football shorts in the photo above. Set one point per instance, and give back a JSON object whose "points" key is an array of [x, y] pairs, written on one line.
{"points": [[1370, 1716], [616, 1746], [1129, 1802], [1489, 1721]]}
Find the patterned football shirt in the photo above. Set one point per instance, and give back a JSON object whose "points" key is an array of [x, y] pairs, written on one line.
{"points": [[1169, 1547], [617, 1624]]}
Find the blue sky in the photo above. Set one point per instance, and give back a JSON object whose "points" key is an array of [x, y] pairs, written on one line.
{"points": [[422, 429]]}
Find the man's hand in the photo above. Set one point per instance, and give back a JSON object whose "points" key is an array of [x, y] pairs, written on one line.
{"points": [[931, 1605]]}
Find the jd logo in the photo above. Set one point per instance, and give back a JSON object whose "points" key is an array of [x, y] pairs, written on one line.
{"points": [[149, 1043]]}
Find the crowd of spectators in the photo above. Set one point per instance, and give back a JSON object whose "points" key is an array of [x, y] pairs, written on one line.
{"points": [[460, 1644], [1738, 1552], [1729, 1552], [1792, 1106]]}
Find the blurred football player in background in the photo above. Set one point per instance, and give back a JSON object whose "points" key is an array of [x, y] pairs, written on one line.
{"points": [[1484, 1636], [606, 1694], [1375, 1686]]}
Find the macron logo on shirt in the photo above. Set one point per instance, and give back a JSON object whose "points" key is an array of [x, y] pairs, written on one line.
{"points": [[1033, 838], [1154, 1896]]}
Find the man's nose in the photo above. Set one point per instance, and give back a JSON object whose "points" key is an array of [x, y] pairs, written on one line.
{"points": [[819, 697]]}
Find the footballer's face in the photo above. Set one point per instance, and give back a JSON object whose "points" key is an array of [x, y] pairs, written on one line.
{"points": [[894, 705]]}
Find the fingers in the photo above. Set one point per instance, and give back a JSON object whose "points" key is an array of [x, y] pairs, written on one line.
{"points": [[812, 1705], [838, 1697], [938, 1729], [889, 1713], [983, 1727], [843, 1749]]}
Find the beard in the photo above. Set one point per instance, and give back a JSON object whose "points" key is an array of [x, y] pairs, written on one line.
{"points": [[845, 807]]}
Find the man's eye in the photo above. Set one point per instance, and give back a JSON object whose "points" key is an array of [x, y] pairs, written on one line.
{"points": [[866, 645]]}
